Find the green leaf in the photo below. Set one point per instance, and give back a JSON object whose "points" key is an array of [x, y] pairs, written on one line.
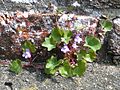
{"points": [[49, 43], [70, 8], [63, 71], [60, 10], [93, 43], [67, 36], [106, 25], [80, 69], [88, 58], [60, 34], [92, 55], [66, 70], [56, 34], [28, 45], [89, 55], [50, 71], [81, 54], [68, 33], [16, 66], [52, 64]]}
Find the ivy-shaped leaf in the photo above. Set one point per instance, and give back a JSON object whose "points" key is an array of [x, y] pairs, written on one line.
{"points": [[49, 43], [80, 69], [50, 71], [66, 70], [28, 45], [52, 62], [93, 43], [92, 55], [81, 54], [51, 65], [67, 36], [63, 71], [89, 55], [88, 58], [56, 34], [16, 66], [106, 25]]}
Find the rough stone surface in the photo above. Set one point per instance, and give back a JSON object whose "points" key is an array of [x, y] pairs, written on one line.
{"points": [[113, 42], [97, 77], [93, 3]]}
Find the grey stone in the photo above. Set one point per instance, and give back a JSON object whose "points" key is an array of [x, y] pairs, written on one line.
{"points": [[113, 41], [116, 23], [116, 60]]}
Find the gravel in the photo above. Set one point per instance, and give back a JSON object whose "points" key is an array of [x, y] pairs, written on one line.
{"points": [[98, 76]]}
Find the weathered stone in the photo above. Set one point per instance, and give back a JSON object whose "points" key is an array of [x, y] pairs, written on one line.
{"points": [[116, 60], [116, 23], [113, 41]]}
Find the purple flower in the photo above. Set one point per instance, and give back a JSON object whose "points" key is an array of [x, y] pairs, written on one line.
{"points": [[77, 38], [74, 45], [65, 49], [27, 54]]}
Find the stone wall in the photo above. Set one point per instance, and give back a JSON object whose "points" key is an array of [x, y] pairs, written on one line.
{"points": [[112, 38], [113, 42]]}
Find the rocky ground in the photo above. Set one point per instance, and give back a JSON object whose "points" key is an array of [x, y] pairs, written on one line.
{"points": [[97, 77], [100, 75]]}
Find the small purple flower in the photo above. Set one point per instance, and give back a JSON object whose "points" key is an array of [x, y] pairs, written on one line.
{"points": [[77, 38], [65, 49], [26, 54], [74, 45]]}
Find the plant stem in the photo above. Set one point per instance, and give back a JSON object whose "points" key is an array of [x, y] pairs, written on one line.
{"points": [[30, 61]]}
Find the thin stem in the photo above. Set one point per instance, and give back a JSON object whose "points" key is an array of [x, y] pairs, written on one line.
{"points": [[35, 57], [30, 61]]}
